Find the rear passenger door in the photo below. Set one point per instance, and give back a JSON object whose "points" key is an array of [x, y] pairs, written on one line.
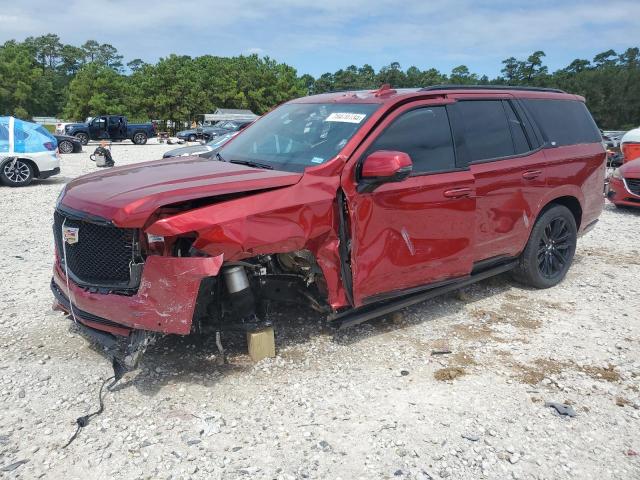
{"points": [[418, 231], [503, 153]]}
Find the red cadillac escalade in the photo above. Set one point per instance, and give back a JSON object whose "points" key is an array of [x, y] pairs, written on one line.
{"points": [[354, 204]]}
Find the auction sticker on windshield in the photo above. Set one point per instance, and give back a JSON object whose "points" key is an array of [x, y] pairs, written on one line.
{"points": [[345, 117]]}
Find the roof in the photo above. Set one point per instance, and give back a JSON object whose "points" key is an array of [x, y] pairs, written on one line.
{"points": [[385, 94]]}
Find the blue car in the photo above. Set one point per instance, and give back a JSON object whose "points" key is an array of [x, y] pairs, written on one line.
{"points": [[27, 151]]}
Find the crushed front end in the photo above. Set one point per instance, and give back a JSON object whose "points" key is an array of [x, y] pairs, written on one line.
{"points": [[106, 279]]}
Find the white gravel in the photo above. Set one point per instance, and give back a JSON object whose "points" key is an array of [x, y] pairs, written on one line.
{"points": [[358, 404]]}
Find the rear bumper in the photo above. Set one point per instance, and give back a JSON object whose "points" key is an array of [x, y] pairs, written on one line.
{"points": [[165, 301], [619, 194]]}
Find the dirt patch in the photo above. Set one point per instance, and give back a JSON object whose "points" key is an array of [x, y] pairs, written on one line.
{"points": [[463, 359], [449, 373], [618, 258], [608, 374], [540, 368], [622, 402]]}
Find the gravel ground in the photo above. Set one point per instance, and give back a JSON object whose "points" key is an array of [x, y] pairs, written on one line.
{"points": [[371, 402]]}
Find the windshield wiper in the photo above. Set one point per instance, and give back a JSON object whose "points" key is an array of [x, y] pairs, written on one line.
{"points": [[219, 157], [249, 163]]}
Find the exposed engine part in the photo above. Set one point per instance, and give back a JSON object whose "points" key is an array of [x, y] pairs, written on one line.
{"points": [[240, 294], [236, 279], [301, 262]]}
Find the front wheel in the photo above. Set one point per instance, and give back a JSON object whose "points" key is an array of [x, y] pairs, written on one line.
{"points": [[550, 249], [192, 138], [139, 138], [17, 173], [83, 137]]}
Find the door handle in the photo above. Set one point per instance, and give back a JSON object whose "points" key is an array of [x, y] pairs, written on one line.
{"points": [[457, 192], [531, 174]]}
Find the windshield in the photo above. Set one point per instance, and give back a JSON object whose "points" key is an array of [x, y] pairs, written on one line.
{"points": [[221, 140], [299, 135]]}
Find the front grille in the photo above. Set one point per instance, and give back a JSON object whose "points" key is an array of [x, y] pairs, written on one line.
{"points": [[102, 254], [633, 184]]}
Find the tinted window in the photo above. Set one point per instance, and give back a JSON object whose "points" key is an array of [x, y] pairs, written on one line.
{"points": [[564, 122], [486, 129], [520, 143], [425, 135]]}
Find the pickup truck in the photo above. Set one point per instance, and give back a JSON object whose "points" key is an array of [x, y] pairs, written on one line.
{"points": [[111, 127]]}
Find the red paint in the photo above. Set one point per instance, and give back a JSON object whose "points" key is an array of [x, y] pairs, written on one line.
{"points": [[385, 164], [128, 195], [619, 191], [165, 300], [427, 228]]}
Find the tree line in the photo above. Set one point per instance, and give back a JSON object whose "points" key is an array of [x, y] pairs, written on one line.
{"points": [[41, 76]]}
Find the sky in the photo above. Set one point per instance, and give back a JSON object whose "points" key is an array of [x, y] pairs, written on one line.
{"points": [[326, 35]]}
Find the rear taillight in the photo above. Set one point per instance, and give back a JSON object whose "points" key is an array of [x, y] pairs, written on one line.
{"points": [[49, 146], [630, 151]]}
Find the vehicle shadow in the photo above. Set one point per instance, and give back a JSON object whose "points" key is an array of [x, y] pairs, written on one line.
{"points": [[195, 359]]}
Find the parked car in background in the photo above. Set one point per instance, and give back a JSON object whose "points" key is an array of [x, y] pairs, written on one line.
{"points": [[60, 127], [208, 150], [68, 144], [208, 133], [612, 138], [111, 127], [630, 145], [624, 185], [352, 203], [27, 151]]}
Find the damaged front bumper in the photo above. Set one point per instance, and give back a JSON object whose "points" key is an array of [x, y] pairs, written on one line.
{"points": [[164, 303]]}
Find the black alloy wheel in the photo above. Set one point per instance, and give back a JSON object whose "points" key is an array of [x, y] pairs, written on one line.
{"points": [[554, 249], [550, 249]]}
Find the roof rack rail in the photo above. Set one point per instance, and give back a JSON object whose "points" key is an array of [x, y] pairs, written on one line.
{"points": [[490, 87]]}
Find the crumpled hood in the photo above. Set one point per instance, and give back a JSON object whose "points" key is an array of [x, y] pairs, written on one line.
{"points": [[128, 195], [631, 169]]}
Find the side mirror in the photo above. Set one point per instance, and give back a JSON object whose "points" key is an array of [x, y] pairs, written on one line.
{"points": [[384, 166]]}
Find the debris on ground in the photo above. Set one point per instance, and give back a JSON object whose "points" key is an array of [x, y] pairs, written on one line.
{"points": [[561, 409]]}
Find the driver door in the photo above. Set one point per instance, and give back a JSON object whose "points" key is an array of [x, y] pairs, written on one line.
{"points": [[418, 232], [98, 128]]}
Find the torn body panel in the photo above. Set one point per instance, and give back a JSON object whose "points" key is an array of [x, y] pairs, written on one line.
{"points": [[164, 302]]}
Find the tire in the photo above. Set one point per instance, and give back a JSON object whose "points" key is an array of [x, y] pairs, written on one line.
{"points": [[192, 138], [139, 138], [18, 174], [550, 249], [65, 146], [83, 137]]}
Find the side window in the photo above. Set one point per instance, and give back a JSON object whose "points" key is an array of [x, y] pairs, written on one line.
{"points": [[487, 133], [520, 142], [425, 135], [564, 122]]}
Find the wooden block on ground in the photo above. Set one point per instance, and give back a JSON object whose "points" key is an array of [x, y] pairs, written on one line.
{"points": [[262, 344]]}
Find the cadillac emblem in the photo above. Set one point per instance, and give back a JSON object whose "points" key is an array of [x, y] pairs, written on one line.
{"points": [[70, 235]]}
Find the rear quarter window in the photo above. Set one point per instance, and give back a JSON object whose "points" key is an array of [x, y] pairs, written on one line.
{"points": [[563, 122]]}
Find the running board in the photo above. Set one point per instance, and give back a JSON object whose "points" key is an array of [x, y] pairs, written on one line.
{"points": [[362, 314]]}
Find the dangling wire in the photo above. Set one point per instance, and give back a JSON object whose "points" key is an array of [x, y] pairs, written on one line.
{"points": [[66, 270], [83, 421]]}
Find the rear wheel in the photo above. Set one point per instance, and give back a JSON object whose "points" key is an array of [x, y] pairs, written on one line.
{"points": [[17, 173], [83, 137], [139, 138], [550, 249], [65, 146], [192, 138]]}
